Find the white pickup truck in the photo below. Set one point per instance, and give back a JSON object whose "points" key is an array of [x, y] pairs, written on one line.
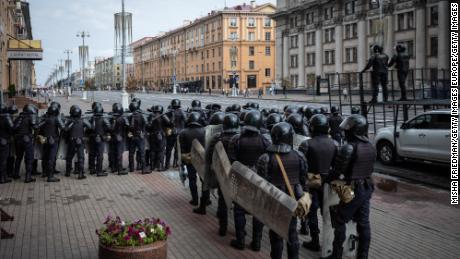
{"points": [[425, 137]]}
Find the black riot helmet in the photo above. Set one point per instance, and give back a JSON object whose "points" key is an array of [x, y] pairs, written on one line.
{"points": [[308, 112], [355, 126], [196, 104], [13, 109], [98, 110], [137, 100], [133, 106], [75, 111], [296, 121], [236, 107], [355, 110], [323, 110], [217, 118], [316, 111], [242, 115], [228, 109], [253, 120], [117, 108], [29, 109], [274, 110], [334, 110], [400, 48], [265, 112], [95, 104], [52, 110], [231, 123], [208, 106], [377, 49], [272, 120], [290, 110], [3, 109], [194, 119], [216, 107], [282, 133], [319, 124], [253, 105], [175, 103], [57, 105], [157, 109]]}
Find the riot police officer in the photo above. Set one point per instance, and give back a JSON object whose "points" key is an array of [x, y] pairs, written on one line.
{"points": [[297, 124], [6, 130], [194, 130], [355, 110], [354, 162], [334, 123], [177, 116], [401, 61], [246, 148], [196, 107], [24, 126], [281, 159], [319, 151], [75, 129], [158, 122], [49, 128], [120, 126], [137, 137], [12, 110], [100, 128], [379, 74], [231, 126]]}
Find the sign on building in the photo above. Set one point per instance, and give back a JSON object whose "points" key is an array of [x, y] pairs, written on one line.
{"points": [[25, 49]]}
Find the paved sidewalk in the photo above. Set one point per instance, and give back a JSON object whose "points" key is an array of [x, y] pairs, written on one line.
{"points": [[59, 220]]}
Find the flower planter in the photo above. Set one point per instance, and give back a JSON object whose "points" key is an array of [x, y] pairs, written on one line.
{"points": [[157, 250]]}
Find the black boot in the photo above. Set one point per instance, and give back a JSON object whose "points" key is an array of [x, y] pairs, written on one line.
{"points": [[5, 180], [313, 245], [81, 175], [52, 178], [200, 210], [194, 202], [29, 179], [146, 170], [255, 244], [222, 231], [303, 228], [237, 243]]}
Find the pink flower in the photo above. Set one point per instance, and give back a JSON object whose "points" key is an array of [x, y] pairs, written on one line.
{"points": [[126, 238], [168, 231]]}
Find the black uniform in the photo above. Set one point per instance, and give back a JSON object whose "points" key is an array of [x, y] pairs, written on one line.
{"points": [[6, 130], [24, 127], [100, 128], [177, 116], [334, 123], [120, 126], [157, 124], [12, 110], [379, 74], [75, 128], [401, 62], [50, 126], [246, 148], [138, 124], [186, 137]]}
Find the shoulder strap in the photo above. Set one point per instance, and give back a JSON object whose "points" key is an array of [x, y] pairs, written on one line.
{"points": [[286, 179]]}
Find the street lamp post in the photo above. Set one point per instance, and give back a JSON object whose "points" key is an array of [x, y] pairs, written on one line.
{"points": [[175, 74], [83, 35], [68, 52], [124, 94]]}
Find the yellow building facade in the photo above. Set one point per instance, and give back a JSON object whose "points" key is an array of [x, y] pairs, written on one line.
{"points": [[234, 41]]}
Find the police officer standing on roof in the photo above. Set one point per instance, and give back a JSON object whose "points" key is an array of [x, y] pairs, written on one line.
{"points": [[194, 130], [6, 130], [320, 152], [178, 117], [120, 126], [231, 127], [334, 123], [100, 128], [137, 124], [379, 74], [75, 128], [158, 122], [24, 127], [354, 164], [246, 148], [401, 61], [49, 131], [281, 161]]}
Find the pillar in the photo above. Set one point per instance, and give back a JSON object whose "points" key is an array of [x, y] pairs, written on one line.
{"points": [[339, 48], [318, 51], [420, 36], [285, 55], [301, 57], [444, 35], [363, 49]]}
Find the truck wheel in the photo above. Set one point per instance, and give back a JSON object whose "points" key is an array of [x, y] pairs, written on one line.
{"points": [[386, 153]]}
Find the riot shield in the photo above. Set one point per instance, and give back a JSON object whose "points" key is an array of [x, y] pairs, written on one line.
{"points": [[221, 167], [350, 245], [198, 159], [262, 199], [211, 131], [297, 140], [62, 149], [182, 174], [38, 150], [209, 179]]}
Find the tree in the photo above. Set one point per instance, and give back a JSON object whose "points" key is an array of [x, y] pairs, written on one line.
{"points": [[131, 84], [286, 83], [89, 84]]}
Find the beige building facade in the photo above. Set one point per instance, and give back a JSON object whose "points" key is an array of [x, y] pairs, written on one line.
{"points": [[237, 41]]}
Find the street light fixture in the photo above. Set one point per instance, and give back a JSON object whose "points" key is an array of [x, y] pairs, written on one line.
{"points": [[174, 52], [83, 35]]}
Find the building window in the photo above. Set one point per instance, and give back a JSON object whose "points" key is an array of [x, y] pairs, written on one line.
{"points": [[207, 67], [294, 62], [207, 53], [406, 21], [233, 22], [374, 27], [233, 64], [294, 80], [251, 36], [309, 18], [233, 36], [294, 41], [251, 22], [267, 22], [410, 20], [329, 57], [434, 46], [409, 47], [251, 51], [329, 35], [268, 36], [268, 51], [252, 64], [351, 55], [202, 55], [351, 31], [311, 38], [328, 13], [293, 22], [434, 15], [350, 7], [310, 59], [213, 67], [268, 72]]}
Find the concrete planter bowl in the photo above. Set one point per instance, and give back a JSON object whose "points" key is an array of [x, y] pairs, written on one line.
{"points": [[157, 250]]}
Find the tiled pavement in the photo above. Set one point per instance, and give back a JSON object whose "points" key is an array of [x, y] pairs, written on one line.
{"points": [[59, 220]]}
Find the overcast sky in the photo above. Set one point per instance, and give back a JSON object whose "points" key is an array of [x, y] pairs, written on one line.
{"points": [[56, 23]]}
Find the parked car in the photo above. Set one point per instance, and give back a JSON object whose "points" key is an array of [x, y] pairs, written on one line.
{"points": [[425, 137]]}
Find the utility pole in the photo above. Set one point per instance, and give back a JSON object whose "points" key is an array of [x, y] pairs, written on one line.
{"points": [[83, 35], [68, 63], [174, 52]]}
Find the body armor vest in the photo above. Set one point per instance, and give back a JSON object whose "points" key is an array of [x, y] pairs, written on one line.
{"points": [[6, 125], [362, 164], [334, 123], [402, 63], [380, 63], [320, 154], [179, 119], [50, 127], [250, 148], [188, 135], [119, 125], [26, 126], [98, 125], [77, 130], [138, 124]]}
